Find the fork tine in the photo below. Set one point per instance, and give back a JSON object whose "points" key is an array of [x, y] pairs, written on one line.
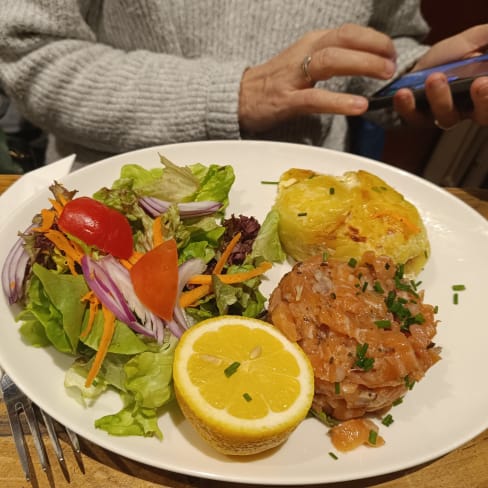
{"points": [[51, 431], [36, 433], [53, 436], [73, 438], [18, 435]]}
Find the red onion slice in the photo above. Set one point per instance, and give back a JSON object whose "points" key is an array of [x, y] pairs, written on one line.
{"points": [[100, 282], [14, 270], [121, 278], [189, 268], [154, 207]]}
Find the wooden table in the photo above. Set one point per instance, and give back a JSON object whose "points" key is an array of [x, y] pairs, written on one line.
{"points": [[466, 467]]}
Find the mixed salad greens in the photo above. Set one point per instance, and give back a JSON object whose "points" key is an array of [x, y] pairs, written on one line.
{"points": [[115, 279]]}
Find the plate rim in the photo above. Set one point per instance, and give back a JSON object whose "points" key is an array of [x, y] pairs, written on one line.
{"points": [[399, 171]]}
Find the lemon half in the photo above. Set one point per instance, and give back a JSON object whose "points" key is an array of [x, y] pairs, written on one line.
{"points": [[241, 383]]}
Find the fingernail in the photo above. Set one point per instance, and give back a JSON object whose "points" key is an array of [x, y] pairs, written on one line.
{"points": [[482, 90], [358, 103], [438, 83], [390, 68]]}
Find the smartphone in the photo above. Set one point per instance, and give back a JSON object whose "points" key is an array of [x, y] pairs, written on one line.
{"points": [[460, 74]]}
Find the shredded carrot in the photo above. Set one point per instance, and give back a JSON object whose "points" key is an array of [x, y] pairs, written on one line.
{"points": [[94, 304], [71, 265], [58, 208], [157, 232], [63, 244], [231, 278], [105, 340], [48, 217], [189, 297], [226, 253], [134, 257]]}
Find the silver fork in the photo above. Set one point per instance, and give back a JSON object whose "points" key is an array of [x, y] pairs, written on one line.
{"points": [[18, 403]]}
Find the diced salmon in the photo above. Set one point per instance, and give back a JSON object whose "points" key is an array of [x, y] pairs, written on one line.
{"points": [[353, 433], [332, 308]]}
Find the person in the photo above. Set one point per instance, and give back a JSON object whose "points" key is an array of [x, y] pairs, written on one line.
{"points": [[106, 77]]}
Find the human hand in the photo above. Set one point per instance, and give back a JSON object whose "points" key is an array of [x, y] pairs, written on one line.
{"points": [[278, 89], [443, 112]]}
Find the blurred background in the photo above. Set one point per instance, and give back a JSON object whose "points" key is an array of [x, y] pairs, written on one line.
{"points": [[458, 157], [22, 145]]}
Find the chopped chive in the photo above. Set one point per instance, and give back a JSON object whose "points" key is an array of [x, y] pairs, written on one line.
{"points": [[397, 401], [458, 287], [337, 388], [331, 190], [365, 286], [455, 299], [436, 309], [361, 360], [352, 262], [247, 397], [302, 214], [387, 420], [333, 456], [382, 324], [373, 435], [325, 256], [264, 182], [409, 383], [377, 287], [231, 369]]}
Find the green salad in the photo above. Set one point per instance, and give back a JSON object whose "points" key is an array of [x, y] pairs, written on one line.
{"points": [[114, 279]]}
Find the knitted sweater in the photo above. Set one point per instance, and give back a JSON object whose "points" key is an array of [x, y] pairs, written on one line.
{"points": [[115, 75]]}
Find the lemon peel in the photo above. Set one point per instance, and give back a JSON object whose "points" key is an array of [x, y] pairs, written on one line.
{"points": [[241, 383]]}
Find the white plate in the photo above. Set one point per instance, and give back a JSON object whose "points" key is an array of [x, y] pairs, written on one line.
{"points": [[447, 408]]}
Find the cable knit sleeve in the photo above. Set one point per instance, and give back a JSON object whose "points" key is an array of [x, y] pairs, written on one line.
{"points": [[111, 99]]}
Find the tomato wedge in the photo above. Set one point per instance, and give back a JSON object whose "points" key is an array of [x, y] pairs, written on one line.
{"points": [[155, 279], [97, 225]]}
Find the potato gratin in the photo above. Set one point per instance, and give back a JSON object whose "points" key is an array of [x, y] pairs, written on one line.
{"points": [[348, 215]]}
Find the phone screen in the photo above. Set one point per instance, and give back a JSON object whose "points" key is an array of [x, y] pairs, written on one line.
{"points": [[456, 72]]}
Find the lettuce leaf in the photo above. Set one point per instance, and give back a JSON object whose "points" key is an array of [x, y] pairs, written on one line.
{"points": [[215, 182], [54, 303], [147, 386], [267, 244], [131, 420], [124, 340]]}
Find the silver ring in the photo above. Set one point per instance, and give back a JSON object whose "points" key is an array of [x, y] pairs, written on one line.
{"points": [[444, 128], [305, 64]]}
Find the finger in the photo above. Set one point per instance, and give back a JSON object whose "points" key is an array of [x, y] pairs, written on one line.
{"points": [[338, 61], [405, 105], [475, 38], [317, 100], [468, 43], [479, 95], [360, 38], [440, 100]]}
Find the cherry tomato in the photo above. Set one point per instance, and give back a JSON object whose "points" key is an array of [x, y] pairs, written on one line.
{"points": [[155, 279], [97, 225]]}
